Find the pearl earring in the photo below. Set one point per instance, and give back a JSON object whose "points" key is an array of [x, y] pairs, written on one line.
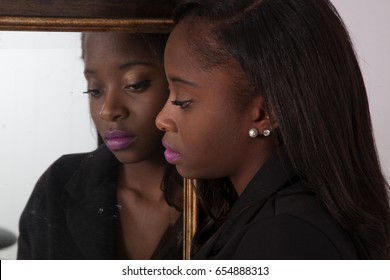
{"points": [[266, 132], [253, 132]]}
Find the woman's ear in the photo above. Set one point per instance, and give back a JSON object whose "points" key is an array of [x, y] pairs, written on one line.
{"points": [[261, 117]]}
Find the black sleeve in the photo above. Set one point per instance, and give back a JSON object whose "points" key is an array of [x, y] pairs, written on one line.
{"points": [[285, 237], [33, 222], [44, 209]]}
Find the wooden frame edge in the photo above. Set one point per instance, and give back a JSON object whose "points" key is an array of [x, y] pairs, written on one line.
{"points": [[133, 25], [190, 216]]}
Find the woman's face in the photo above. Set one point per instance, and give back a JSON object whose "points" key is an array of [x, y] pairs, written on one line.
{"points": [[127, 88], [205, 135]]}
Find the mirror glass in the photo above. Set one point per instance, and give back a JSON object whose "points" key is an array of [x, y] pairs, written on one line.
{"points": [[43, 114]]}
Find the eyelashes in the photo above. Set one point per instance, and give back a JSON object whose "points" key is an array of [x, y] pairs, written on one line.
{"points": [[94, 92], [138, 87], [183, 104]]}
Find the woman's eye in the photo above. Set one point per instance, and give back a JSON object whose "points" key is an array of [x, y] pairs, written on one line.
{"points": [[138, 87], [182, 104], [94, 92]]}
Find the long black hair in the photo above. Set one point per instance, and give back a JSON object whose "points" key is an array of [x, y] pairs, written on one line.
{"points": [[297, 54]]}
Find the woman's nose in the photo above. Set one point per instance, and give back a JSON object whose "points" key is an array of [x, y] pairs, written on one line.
{"points": [[113, 108], [165, 119]]}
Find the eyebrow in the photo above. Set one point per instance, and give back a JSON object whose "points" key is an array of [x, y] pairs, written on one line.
{"points": [[126, 65], [131, 64], [182, 81]]}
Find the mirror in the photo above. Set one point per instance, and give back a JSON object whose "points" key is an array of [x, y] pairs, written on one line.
{"points": [[25, 55], [42, 82], [43, 113]]}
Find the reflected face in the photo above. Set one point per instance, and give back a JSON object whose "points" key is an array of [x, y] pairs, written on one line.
{"points": [[127, 89], [205, 135]]}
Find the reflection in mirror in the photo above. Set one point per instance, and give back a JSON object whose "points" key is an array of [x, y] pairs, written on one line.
{"points": [[121, 201], [43, 114]]}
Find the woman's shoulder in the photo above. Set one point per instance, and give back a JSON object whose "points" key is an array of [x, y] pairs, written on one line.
{"points": [[69, 163], [286, 237], [66, 165], [294, 222], [57, 175], [300, 203]]}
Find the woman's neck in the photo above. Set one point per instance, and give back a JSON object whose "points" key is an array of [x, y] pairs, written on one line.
{"points": [[252, 164], [143, 178], [144, 214]]}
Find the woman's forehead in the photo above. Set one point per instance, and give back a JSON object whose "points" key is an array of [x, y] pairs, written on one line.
{"points": [[115, 46]]}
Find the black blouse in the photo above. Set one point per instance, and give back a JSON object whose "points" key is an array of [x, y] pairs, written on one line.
{"points": [[73, 214], [278, 216]]}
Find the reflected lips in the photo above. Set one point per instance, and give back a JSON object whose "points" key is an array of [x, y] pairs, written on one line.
{"points": [[170, 155], [118, 140]]}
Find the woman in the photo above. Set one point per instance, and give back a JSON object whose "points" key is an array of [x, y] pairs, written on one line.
{"points": [[269, 97], [121, 201]]}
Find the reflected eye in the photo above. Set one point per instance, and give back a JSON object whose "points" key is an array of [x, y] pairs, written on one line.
{"points": [[182, 104], [138, 87], [94, 92]]}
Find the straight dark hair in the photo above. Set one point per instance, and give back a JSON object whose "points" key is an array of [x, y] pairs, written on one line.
{"points": [[297, 54]]}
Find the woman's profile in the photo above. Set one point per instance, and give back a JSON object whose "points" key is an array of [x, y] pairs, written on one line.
{"points": [[267, 100], [121, 201]]}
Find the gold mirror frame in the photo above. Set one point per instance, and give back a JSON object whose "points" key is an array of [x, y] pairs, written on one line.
{"points": [[132, 25], [151, 16], [190, 216], [136, 16]]}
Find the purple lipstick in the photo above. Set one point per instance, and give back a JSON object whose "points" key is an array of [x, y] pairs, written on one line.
{"points": [[118, 140], [170, 155]]}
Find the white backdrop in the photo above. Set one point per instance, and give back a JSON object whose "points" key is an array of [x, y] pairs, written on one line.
{"points": [[368, 22], [44, 115]]}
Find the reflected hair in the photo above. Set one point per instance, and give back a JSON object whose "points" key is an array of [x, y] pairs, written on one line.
{"points": [[298, 55]]}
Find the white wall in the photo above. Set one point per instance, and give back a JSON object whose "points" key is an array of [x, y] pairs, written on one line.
{"points": [[44, 115], [369, 24]]}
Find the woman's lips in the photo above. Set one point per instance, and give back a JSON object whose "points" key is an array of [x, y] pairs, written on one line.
{"points": [[118, 140], [170, 155]]}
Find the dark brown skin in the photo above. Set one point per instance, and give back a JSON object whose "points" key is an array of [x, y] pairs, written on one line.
{"points": [[128, 99], [210, 133]]}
